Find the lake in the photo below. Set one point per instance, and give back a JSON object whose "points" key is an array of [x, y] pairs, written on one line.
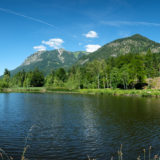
{"points": [[74, 126]]}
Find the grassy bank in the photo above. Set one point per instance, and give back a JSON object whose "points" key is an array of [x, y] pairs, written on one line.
{"points": [[23, 90], [120, 92], [36, 90], [115, 92]]}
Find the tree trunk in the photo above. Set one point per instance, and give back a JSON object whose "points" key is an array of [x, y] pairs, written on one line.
{"points": [[124, 84], [98, 81], [110, 82], [104, 84], [107, 81]]}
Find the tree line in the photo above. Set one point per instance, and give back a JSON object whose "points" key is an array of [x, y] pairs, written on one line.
{"points": [[124, 71]]}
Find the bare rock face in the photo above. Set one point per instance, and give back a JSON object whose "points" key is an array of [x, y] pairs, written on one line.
{"points": [[47, 61], [85, 61], [60, 51], [33, 58], [155, 50]]}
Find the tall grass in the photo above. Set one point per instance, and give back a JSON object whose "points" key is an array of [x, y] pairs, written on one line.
{"points": [[144, 157], [120, 92], [107, 91], [4, 156]]}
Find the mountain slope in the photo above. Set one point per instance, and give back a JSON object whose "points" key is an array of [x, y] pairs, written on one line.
{"points": [[46, 61], [49, 60], [133, 44]]}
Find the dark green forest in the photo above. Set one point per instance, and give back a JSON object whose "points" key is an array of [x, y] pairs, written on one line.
{"points": [[124, 71]]}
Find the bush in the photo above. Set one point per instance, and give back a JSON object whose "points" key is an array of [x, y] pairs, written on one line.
{"points": [[3, 84]]}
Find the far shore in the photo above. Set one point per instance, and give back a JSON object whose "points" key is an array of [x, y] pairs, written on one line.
{"points": [[108, 91]]}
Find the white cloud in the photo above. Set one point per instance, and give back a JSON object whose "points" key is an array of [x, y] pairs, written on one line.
{"points": [[91, 34], [55, 43], [92, 48], [129, 23], [40, 48]]}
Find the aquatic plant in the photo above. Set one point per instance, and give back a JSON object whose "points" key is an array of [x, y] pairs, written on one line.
{"points": [[120, 155], [4, 155]]}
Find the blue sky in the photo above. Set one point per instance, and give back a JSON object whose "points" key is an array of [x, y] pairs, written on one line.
{"points": [[30, 25]]}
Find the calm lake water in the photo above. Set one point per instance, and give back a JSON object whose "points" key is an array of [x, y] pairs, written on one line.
{"points": [[72, 126]]}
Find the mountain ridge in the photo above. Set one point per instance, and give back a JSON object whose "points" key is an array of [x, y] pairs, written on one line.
{"points": [[132, 44], [46, 61], [60, 58]]}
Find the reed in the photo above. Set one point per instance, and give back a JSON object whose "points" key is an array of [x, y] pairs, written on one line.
{"points": [[4, 156], [149, 153], [120, 155], [144, 151]]}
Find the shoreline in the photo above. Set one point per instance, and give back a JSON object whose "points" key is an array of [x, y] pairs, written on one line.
{"points": [[113, 92]]}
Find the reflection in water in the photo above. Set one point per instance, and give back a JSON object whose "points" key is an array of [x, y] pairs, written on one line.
{"points": [[74, 126]]}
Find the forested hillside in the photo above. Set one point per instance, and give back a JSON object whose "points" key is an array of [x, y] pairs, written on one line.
{"points": [[133, 44], [124, 63], [48, 60], [124, 71]]}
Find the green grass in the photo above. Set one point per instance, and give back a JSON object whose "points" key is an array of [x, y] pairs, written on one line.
{"points": [[30, 89], [118, 92], [114, 92]]}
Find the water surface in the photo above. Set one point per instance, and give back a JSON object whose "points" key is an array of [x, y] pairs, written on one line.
{"points": [[72, 126]]}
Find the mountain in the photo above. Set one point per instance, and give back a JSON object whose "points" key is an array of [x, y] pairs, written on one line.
{"points": [[134, 44], [49, 60], [46, 61]]}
